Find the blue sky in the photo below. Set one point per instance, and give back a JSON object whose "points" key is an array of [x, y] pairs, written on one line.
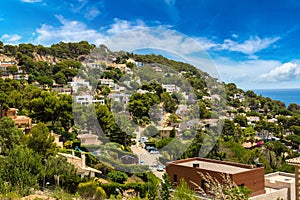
{"points": [[255, 44]]}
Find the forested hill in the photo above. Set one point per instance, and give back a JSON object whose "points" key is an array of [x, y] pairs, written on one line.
{"points": [[61, 63], [34, 81]]}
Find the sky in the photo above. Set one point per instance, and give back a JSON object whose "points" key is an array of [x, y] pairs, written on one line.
{"points": [[254, 44]]}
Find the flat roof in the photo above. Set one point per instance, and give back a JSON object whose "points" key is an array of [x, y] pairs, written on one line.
{"points": [[280, 177], [294, 161], [212, 166]]}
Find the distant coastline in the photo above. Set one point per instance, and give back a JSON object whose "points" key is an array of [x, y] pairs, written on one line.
{"points": [[287, 96]]}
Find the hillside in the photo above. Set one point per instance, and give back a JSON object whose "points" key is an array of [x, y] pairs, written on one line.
{"points": [[78, 92]]}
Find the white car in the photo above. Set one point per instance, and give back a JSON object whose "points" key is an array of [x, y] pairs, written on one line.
{"points": [[160, 168], [154, 152], [144, 139]]}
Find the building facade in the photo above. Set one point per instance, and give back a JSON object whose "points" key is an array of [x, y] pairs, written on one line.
{"points": [[240, 174]]}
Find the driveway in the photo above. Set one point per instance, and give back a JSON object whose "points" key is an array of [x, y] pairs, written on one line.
{"points": [[148, 158]]}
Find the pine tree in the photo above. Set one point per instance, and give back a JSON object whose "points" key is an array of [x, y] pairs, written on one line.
{"points": [[165, 187]]}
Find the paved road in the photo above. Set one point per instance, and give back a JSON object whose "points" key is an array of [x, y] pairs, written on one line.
{"points": [[148, 158]]}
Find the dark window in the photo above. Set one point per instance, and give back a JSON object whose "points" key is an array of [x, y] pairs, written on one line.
{"points": [[241, 185], [175, 178], [204, 185]]}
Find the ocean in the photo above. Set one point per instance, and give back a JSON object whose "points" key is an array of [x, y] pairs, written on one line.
{"points": [[287, 96]]}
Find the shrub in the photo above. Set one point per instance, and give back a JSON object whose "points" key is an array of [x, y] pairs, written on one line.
{"points": [[117, 176], [91, 190], [100, 193]]}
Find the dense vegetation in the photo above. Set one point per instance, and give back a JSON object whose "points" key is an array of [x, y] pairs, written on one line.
{"points": [[26, 160]]}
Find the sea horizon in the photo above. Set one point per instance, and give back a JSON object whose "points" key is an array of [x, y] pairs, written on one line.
{"points": [[286, 95]]}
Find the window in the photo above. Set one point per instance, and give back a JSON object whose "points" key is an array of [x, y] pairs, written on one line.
{"points": [[175, 178], [241, 185], [204, 185]]}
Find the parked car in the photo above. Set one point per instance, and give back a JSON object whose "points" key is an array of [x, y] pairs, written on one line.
{"points": [[154, 152], [152, 149], [142, 162], [144, 139], [160, 168], [149, 147]]}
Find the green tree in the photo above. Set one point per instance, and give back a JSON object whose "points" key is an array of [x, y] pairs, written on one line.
{"points": [[241, 120], [105, 91], [10, 135], [58, 169], [183, 191], [44, 80], [12, 69], [150, 131], [41, 141], [295, 140], [295, 129], [250, 133], [117, 176], [60, 78], [50, 107], [166, 186], [139, 106], [169, 103], [124, 123], [173, 133], [20, 171], [110, 128], [153, 186]]}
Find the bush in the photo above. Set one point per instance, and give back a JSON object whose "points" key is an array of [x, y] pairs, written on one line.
{"points": [[117, 176], [111, 188], [87, 189], [100, 193], [91, 190]]}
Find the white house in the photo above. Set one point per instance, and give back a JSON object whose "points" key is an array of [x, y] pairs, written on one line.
{"points": [[88, 99], [170, 88], [79, 83], [108, 82]]}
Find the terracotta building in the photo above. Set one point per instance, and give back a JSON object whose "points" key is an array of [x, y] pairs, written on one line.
{"points": [[242, 175], [20, 120]]}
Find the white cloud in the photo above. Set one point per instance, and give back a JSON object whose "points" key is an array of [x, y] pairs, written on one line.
{"points": [[206, 44], [91, 13], [11, 39], [78, 5], [120, 26], [251, 46], [31, 1], [235, 35], [248, 47], [245, 73], [69, 31], [286, 72], [131, 36]]}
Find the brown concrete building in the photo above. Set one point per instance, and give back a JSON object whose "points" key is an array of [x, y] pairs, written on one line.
{"points": [[89, 139], [165, 132], [242, 175], [20, 120]]}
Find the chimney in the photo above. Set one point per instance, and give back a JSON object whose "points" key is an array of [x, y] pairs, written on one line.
{"points": [[82, 159], [196, 165]]}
